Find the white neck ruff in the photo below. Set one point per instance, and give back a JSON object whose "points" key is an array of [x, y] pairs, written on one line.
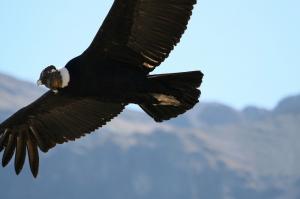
{"points": [[65, 75]]}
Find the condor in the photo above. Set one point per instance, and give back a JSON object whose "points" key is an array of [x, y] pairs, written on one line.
{"points": [[93, 88]]}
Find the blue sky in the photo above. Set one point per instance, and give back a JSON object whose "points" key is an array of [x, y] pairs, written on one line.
{"points": [[247, 49]]}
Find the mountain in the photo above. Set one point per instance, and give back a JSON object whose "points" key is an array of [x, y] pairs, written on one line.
{"points": [[14, 94], [213, 151], [288, 106]]}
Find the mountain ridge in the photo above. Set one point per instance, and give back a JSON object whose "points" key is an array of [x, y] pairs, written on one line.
{"points": [[212, 151]]}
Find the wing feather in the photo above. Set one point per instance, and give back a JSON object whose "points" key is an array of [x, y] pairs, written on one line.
{"points": [[9, 149], [33, 154], [52, 119], [142, 33], [20, 152]]}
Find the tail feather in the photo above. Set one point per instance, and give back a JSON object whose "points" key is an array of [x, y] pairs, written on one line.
{"points": [[176, 93], [161, 112], [192, 78]]}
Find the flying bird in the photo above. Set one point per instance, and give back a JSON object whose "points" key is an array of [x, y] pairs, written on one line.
{"points": [[94, 87]]}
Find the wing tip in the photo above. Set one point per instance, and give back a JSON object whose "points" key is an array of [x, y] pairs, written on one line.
{"points": [[9, 150]]}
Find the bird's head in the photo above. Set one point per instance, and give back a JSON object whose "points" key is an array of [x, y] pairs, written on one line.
{"points": [[54, 79]]}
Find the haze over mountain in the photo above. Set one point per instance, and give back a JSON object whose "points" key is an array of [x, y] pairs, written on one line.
{"points": [[213, 151]]}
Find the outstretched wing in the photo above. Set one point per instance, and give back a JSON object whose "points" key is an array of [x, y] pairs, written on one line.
{"points": [[52, 119], [142, 33]]}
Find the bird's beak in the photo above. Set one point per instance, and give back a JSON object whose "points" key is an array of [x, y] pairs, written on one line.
{"points": [[39, 83]]}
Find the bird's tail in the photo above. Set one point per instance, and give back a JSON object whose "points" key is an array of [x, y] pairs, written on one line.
{"points": [[175, 94]]}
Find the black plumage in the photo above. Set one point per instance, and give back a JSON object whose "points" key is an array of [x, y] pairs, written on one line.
{"points": [[136, 37]]}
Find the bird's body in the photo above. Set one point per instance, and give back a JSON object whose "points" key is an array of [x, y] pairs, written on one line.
{"points": [[110, 80], [93, 88]]}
